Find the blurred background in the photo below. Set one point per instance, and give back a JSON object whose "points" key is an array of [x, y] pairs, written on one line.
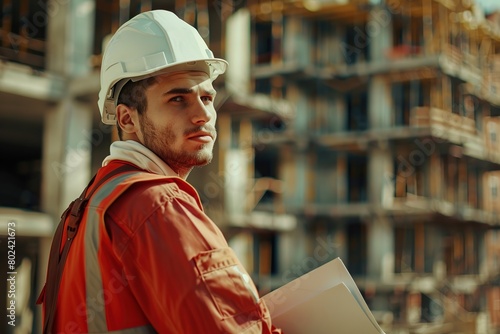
{"points": [[362, 129]]}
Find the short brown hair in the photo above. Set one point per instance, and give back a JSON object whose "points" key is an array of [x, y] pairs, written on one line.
{"points": [[133, 95]]}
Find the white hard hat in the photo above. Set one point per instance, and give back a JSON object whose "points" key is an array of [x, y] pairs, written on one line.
{"points": [[149, 44]]}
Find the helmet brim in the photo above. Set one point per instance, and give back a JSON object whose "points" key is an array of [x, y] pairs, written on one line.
{"points": [[213, 67]]}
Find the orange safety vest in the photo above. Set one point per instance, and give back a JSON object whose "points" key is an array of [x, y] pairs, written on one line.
{"points": [[110, 300]]}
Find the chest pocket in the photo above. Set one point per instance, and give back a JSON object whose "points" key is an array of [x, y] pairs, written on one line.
{"points": [[231, 288]]}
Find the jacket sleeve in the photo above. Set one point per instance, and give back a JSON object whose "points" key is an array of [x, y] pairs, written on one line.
{"points": [[187, 279]]}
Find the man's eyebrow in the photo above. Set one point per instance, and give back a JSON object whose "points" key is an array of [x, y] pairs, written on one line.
{"points": [[189, 91], [179, 91]]}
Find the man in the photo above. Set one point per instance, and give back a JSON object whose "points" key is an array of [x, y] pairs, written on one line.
{"points": [[145, 258]]}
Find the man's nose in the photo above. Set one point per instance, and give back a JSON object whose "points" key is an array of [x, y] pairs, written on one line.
{"points": [[202, 113]]}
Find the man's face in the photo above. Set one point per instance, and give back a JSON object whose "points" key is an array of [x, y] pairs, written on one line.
{"points": [[179, 123]]}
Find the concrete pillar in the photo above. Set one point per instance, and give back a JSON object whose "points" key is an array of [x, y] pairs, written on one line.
{"points": [[380, 252], [291, 249], [66, 155], [380, 108], [239, 54], [379, 31], [297, 41], [381, 180], [434, 249], [340, 112], [302, 112], [484, 254], [68, 127], [70, 36], [325, 172], [294, 167], [341, 176], [380, 157], [381, 175]]}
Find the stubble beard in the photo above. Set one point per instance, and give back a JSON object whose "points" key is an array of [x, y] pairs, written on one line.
{"points": [[160, 141]]}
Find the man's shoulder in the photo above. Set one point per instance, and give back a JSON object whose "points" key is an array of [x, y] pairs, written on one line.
{"points": [[134, 177], [142, 192], [143, 186]]}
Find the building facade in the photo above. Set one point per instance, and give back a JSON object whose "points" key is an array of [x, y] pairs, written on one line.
{"points": [[390, 158]]}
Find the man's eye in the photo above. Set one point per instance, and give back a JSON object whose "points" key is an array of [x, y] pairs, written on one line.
{"points": [[177, 99], [207, 98]]}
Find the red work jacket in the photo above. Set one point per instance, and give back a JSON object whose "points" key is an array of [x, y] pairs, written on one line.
{"points": [[147, 259]]}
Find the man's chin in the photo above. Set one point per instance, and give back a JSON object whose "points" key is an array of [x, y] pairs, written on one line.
{"points": [[202, 159], [203, 162]]}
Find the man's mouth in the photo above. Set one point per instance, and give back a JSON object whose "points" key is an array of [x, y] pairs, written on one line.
{"points": [[203, 137]]}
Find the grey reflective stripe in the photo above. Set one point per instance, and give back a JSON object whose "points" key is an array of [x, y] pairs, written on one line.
{"points": [[97, 296], [136, 330]]}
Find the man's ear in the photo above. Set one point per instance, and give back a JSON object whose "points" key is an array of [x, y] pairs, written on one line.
{"points": [[127, 119]]}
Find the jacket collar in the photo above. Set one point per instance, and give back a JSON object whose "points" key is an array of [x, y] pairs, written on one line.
{"points": [[139, 155]]}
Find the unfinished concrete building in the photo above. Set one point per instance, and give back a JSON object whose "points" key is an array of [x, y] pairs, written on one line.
{"points": [[390, 159], [356, 129]]}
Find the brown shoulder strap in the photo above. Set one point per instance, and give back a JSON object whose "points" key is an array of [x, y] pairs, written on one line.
{"points": [[57, 259]]}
